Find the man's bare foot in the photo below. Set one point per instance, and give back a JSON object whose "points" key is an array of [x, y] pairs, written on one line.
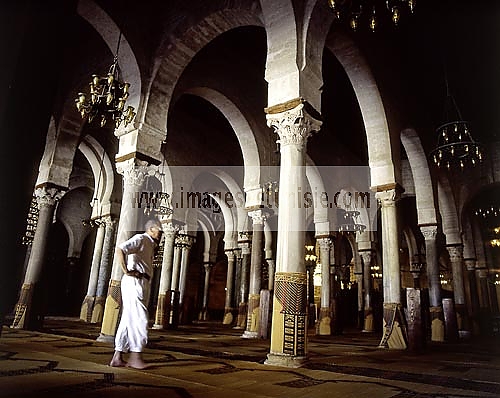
{"points": [[119, 363], [135, 361], [117, 360]]}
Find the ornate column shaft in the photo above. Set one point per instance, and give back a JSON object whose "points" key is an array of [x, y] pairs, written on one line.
{"points": [[245, 245], [253, 311], [89, 300], [163, 305], [134, 173], [289, 319], [435, 302], [470, 265], [187, 243], [325, 315], [204, 311], [393, 332], [104, 268], [26, 316], [457, 266], [367, 257], [228, 305]]}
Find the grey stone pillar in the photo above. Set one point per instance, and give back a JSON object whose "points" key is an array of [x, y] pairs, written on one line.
{"points": [[432, 266], [245, 245], [104, 268], [206, 285], [289, 319], [470, 265], [253, 314], [324, 326], [367, 257], [89, 300], [26, 315], [457, 266], [228, 304], [134, 173], [163, 306], [394, 336], [187, 243]]}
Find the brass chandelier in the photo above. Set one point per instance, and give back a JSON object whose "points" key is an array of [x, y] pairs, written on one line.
{"points": [[455, 147], [370, 13], [107, 99]]}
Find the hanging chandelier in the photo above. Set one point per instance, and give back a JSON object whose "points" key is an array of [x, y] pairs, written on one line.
{"points": [[371, 13], [107, 99], [455, 147], [349, 224]]}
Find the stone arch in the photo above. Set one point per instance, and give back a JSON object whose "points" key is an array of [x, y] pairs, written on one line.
{"points": [[181, 52], [103, 174], [241, 128], [383, 150], [424, 191], [448, 211], [230, 235]]}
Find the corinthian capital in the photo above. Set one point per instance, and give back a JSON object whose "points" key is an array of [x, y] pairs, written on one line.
{"points": [[134, 172], [325, 243], [258, 216], [455, 252], [293, 126], [47, 195], [429, 231]]}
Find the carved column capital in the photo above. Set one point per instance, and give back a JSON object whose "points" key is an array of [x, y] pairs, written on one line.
{"points": [[387, 198], [258, 217], [169, 229], [470, 264], [208, 266], [47, 196], [429, 231], [293, 126], [455, 252], [230, 255], [134, 172], [184, 241], [325, 243]]}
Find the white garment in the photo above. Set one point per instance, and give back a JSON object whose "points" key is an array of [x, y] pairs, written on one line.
{"points": [[132, 333]]}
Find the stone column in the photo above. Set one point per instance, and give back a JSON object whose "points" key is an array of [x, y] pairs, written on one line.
{"points": [[173, 317], [457, 266], [163, 306], [310, 307], [484, 302], [367, 257], [27, 314], [253, 311], [394, 336], [228, 305], [435, 303], [245, 245], [204, 311], [104, 268], [187, 243], [289, 319], [134, 173], [89, 300], [470, 265], [324, 326]]}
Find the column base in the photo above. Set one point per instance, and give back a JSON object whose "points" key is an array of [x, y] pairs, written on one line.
{"points": [[158, 327], [284, 360], [104, 338], [437, 324], [249, 335], [394, 337]]}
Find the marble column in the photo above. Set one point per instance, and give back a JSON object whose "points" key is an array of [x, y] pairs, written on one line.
{"points": [[134, 173], [470, 265], [173, 317], [253, 310], [323, 326], [367, 257], [228, 305], [484, 301], [163, 306], [245, 245], [104, 268], [204, 311], [89, 300], [457, 266], [432, 267], [289, 319], [394, 336], [27, 314], [187, 243]]}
